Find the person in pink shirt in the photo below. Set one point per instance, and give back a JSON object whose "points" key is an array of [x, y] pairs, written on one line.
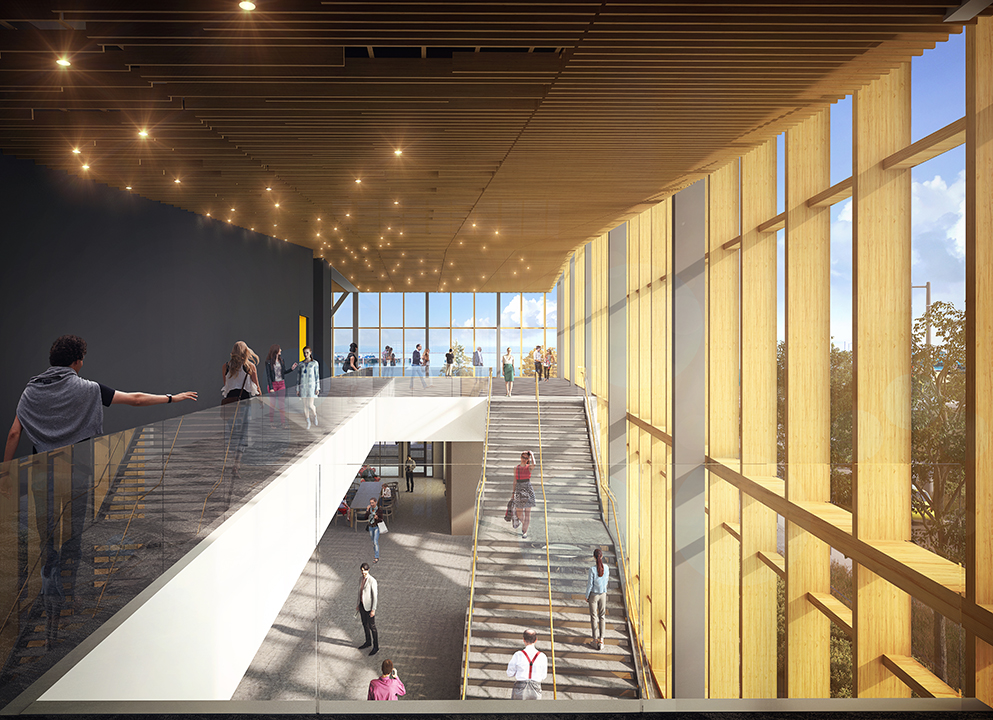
{"points": [[387, 686]]}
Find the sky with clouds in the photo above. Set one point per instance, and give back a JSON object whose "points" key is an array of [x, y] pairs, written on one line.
{"points": [[937, 194]]}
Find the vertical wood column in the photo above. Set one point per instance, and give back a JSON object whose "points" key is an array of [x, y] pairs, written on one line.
{"points": [[565, 356], [808, 400], [979, 334], [758, 419], [632, 355], [579, 321], [661, 269], [882, 318], [724, 629], [649, 494]]}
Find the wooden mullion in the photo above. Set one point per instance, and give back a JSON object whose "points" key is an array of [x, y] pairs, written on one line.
{"points": [[881, 378], [758, 418], [808, 399], [979, 353], [724, 582]]}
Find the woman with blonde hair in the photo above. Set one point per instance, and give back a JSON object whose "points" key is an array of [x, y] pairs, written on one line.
{"points": [[241, 382]]}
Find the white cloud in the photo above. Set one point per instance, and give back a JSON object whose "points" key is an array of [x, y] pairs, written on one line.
{"points": [[938, 212]]}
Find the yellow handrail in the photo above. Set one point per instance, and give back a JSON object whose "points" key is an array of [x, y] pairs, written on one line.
{"points": [[605, 489], [475, 535], [548, 560]]}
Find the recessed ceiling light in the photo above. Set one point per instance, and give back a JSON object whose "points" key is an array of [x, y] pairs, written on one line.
{"points": [[318, 234], [75, 151], [86, 167], [268, 189], [232, 209], [208, 214], [143, 133], [127, 187], [277, 204], [318, 219], [474, 224], [246, 5], [497, 232], [176, 181], [63, 62], [358, 180], [396, 202], [348, 214]]}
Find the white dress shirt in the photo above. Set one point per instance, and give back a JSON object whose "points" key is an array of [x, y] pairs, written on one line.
{"points": [[520, 667]]}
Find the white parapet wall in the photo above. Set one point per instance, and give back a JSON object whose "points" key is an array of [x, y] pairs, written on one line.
{"points": [[193, 633]]}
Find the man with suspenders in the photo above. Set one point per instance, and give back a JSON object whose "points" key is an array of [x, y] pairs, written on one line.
{"points": [[528, 667]]}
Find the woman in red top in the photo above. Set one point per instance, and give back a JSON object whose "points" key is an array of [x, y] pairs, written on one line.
{"points": [[523, 493]]}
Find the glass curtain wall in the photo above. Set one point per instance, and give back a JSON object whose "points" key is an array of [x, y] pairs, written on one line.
{"points": [[464, 322]]}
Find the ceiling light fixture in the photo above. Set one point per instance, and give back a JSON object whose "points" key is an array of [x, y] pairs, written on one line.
{"points": [[358, 181], [127, 187], [75, 151], [398, 152], [396, 202], [246, 5], [86, 167], [143, 133], [64, 62], [268, 189], [177, 181], [277, 204]]}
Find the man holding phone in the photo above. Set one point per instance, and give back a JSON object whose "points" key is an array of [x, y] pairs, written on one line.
{"points": [[387, 686]]}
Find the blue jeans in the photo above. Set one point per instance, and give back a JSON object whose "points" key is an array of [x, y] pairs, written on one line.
{"points": [[374, 531]]}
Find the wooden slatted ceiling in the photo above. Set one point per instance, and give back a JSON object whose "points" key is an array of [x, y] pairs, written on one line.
{"points": [[548, 122]]}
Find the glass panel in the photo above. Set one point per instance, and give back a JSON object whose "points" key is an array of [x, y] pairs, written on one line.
{"points": [[534, 310], [841, 140], [439, 341], [486, 339], [342, 317], [394, 339], [413, 310], [369, 348], [938, 392], [551, 311], [511, 339], [510, 312], [392, 308], [531, 339], [462, 346], [369, 309], [440, 307], [342, 339], [937, 87], [486, 310], [462, 310]]}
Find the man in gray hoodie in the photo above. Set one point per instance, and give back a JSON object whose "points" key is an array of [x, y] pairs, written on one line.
{"points": [[59, 408]]}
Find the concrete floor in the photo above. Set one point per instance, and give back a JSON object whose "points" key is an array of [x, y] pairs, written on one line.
{"points": [[423, 573]]}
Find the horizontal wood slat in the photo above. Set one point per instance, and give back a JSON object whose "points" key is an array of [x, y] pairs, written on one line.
{"points": [[917, 677]]}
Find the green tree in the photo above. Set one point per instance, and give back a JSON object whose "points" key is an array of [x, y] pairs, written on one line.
{"points": [[463, 366]]}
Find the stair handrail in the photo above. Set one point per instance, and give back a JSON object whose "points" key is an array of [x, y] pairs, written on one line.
{"points": [[548, 557], [475, 534], [606, 491]]}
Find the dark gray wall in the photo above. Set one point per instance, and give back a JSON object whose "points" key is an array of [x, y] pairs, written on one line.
{"points": [[159, 294]]}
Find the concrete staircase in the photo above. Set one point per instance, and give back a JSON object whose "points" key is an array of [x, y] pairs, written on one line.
{"points": [[512, 575]]}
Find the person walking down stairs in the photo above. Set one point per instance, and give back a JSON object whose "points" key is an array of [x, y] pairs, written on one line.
{"points": [[523, 493]]}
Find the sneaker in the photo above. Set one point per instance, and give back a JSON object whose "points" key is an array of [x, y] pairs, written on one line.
{"points": [[524, 536]]}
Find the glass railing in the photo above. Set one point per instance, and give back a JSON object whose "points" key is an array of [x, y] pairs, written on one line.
{"points": [[212, 557]]}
